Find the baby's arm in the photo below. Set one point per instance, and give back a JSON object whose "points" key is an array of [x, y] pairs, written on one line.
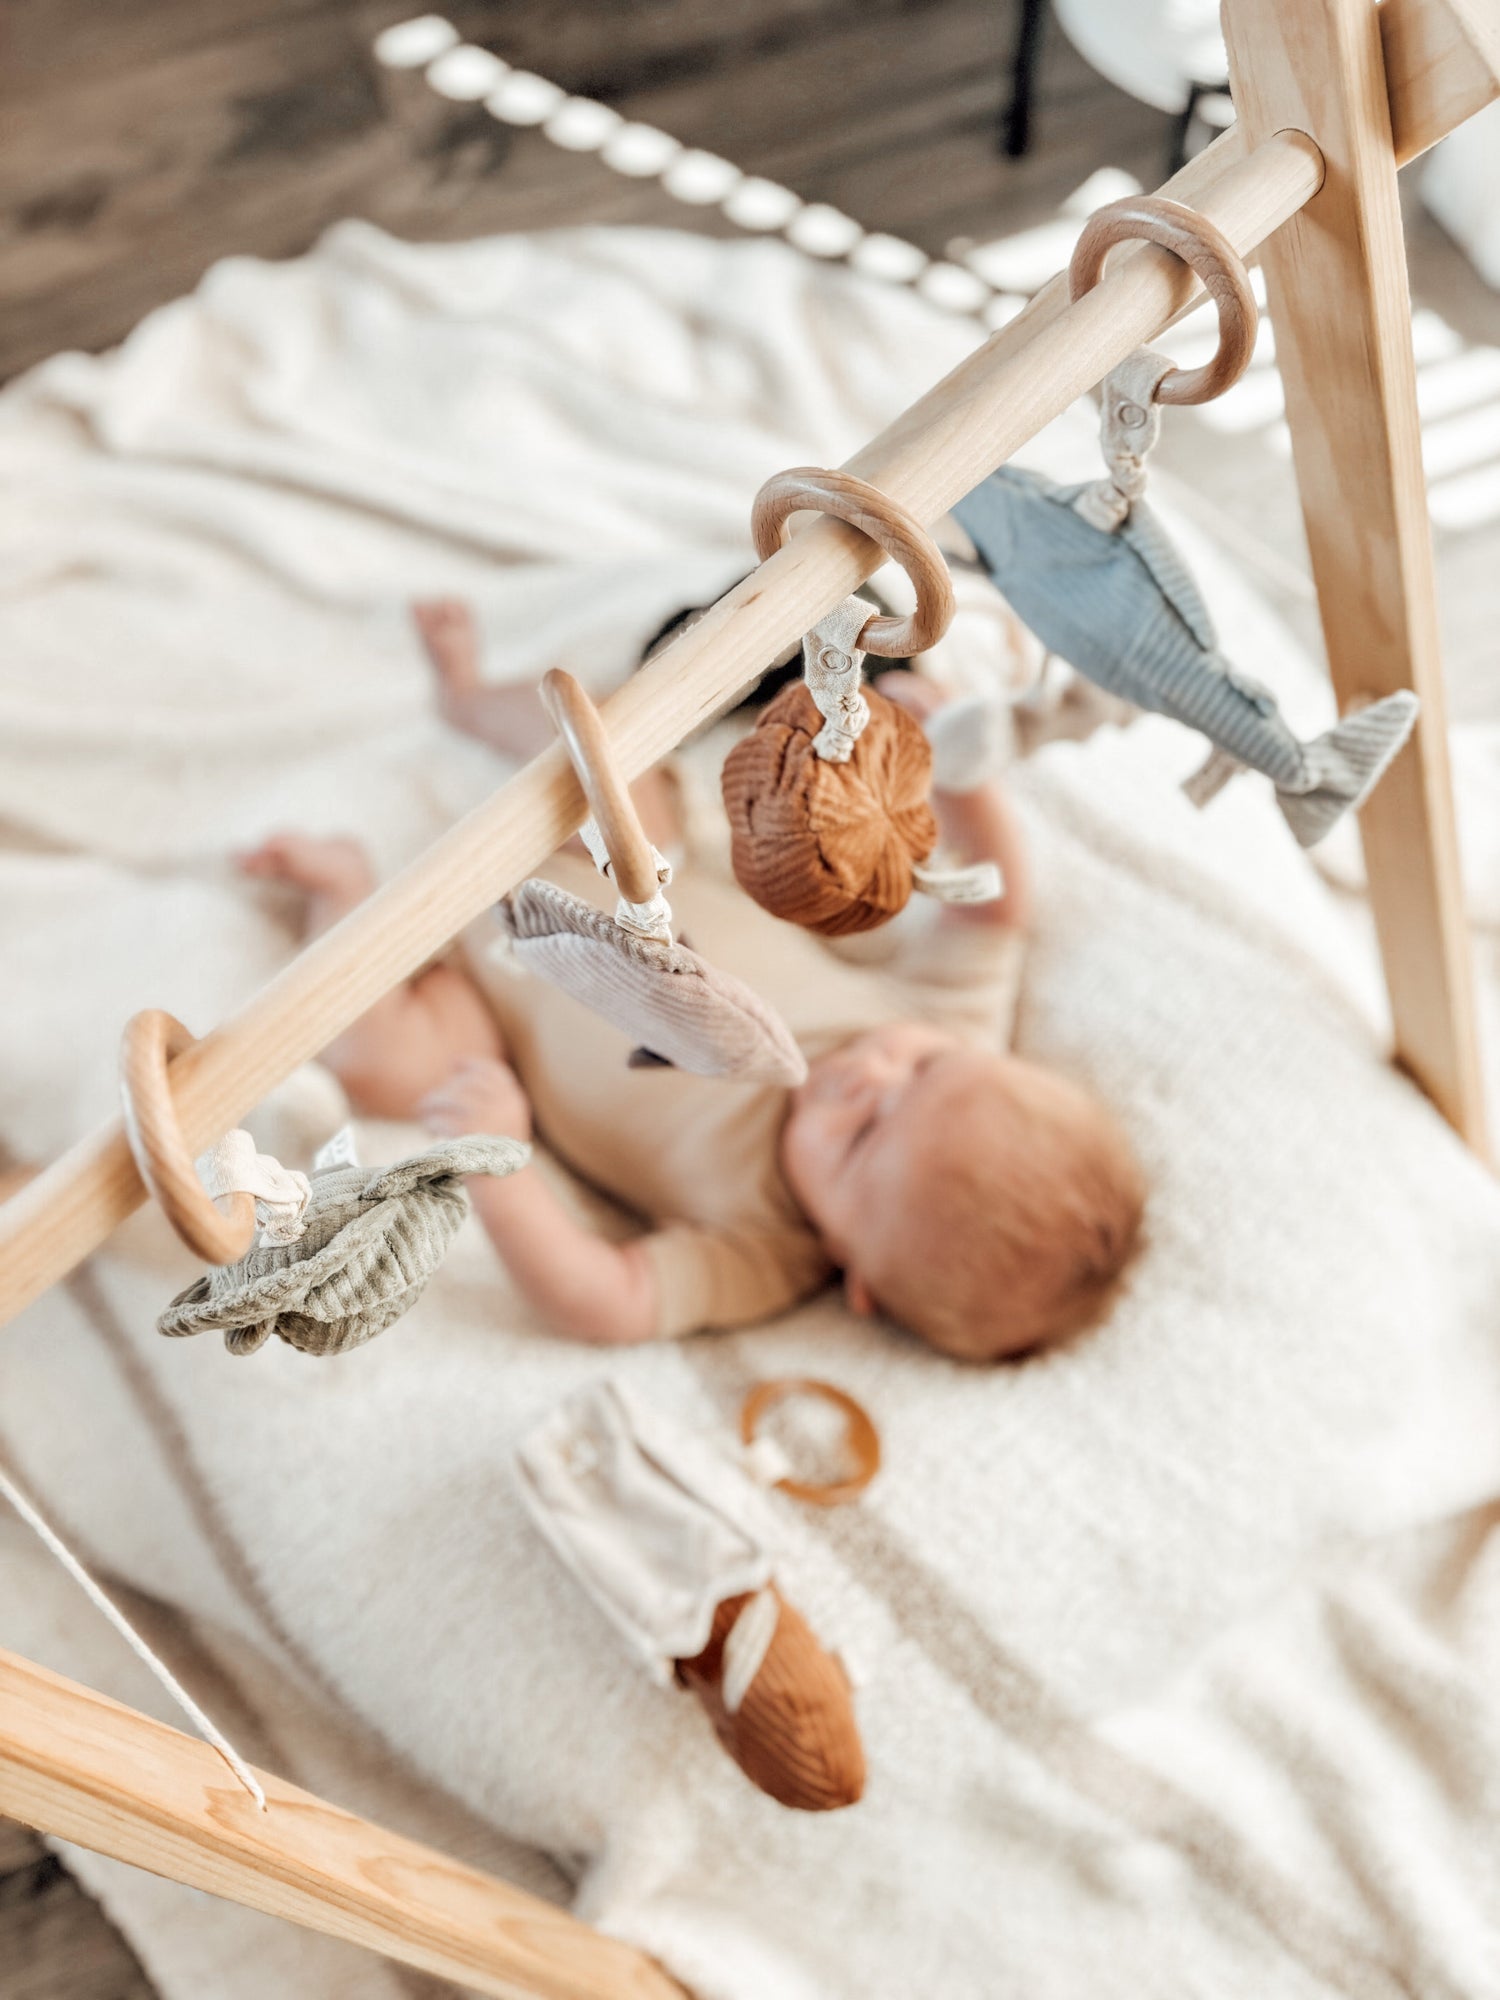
{"points": [[981, 825], [585, 1287], [412, 1036]]}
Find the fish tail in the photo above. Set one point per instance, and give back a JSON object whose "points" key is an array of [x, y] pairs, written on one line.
{"points": [[1344, 765]]}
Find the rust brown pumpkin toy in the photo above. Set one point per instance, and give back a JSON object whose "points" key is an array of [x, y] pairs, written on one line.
{"points": [[826, 845]]}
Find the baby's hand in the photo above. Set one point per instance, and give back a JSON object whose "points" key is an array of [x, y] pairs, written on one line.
{"points": [[480, 1095]]}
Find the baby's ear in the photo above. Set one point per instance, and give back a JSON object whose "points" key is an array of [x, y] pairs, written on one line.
{"points": [[858, 1296]]}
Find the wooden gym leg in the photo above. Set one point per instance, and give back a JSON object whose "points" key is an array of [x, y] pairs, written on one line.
{"points": [[1337, 288]]}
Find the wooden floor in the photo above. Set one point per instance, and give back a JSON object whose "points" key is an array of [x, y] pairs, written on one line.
{"points": [[54, 1943], [146, 138]]}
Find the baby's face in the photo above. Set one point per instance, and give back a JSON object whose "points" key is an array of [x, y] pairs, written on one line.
{"points": [[865, 1119]]}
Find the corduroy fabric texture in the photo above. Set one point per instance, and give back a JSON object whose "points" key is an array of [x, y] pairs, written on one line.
{"points": [[794, 1735], [371, 1242], [1122, 608], [829, 846], [674, 1005]]}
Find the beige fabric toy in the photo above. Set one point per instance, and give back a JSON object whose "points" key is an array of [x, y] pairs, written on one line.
{"points": [[658, 1527], [674, 1005], [677, 1009]]}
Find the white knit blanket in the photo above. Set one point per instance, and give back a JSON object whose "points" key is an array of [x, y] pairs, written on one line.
{"points": [[1177, 1646]]}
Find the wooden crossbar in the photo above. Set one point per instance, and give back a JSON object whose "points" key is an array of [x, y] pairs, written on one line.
{"points": [[75, 1764]]}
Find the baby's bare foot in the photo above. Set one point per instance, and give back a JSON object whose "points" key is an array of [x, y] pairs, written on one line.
{"points": [[448, 632], [333, 874]]}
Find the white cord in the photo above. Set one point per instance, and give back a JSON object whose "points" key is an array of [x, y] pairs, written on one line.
{"points": [[57, 1547]]}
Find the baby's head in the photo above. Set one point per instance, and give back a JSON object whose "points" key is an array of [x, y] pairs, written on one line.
{"points": [[984, 1203]]}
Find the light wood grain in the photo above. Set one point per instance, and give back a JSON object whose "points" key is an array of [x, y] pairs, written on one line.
{"points": [[890, 527], [929, 458], [1188, 234], [1442, 64], [632, 864], [151, 1039], [75, 1764], [1336, 283]]}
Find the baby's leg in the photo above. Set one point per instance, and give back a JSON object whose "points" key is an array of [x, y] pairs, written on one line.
{"points": [[510, 717], [410, 1040]]}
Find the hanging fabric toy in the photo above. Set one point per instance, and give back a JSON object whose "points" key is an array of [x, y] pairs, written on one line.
{"points": [[679, 1010], [828, 796], [1096, 577], [323, 1261], [369, 1241]]}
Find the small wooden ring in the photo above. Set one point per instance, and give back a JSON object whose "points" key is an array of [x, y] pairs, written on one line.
{"points": [[861, 1436], [152, 1039], [1204, 246], [890, 526], [631, 859]]}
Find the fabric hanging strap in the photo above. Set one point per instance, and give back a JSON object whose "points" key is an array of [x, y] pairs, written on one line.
{"points": [[1211, 776], [96, 1595], [831, 663], [651, 920], [281, 1194], [977, 882], [1129, 426], [970, 741]]}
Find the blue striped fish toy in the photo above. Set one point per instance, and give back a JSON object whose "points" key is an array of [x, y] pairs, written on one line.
{"points": [[1120, 606]]}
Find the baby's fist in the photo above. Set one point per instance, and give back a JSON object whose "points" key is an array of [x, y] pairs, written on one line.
{"points": [[480, 1095]]}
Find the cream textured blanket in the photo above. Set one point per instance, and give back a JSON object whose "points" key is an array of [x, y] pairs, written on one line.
{"points": [[1177, 1646]]}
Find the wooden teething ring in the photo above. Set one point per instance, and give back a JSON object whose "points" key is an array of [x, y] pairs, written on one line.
{"points": [[861, 1436], [1204, 246], [875, 514], [632, 863], [151, 1041]]}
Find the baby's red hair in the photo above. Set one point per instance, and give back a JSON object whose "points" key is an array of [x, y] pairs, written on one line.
{"points": [[1017, 1228]]}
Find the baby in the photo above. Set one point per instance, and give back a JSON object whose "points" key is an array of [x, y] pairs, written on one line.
{"points": [[978, 1200]]}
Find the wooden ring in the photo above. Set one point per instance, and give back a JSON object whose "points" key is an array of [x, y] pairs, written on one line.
{"points": [[152, 1039], [632, 860], [1204, 246], [861, 1436], [888, 525]]}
